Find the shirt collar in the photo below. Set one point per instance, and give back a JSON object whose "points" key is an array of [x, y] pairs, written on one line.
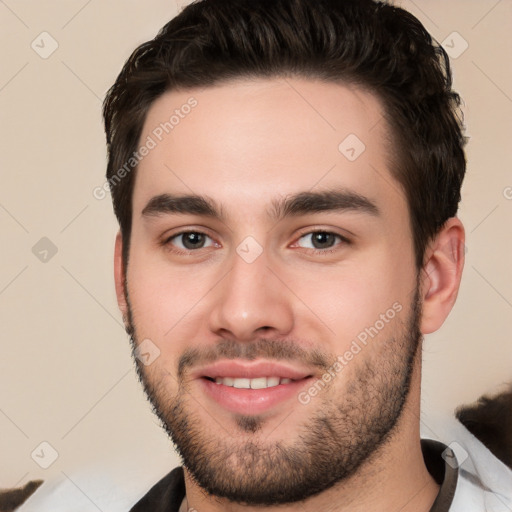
{"points": [[441, 463]]}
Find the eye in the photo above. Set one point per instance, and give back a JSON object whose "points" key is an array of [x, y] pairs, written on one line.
{"points": [[321, 241], [190, 240]]}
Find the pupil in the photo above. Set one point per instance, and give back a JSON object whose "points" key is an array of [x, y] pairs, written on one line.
{"points": [[192, 240], [322, 239]]}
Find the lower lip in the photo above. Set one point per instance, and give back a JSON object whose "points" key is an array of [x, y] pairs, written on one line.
{"points": [[252, 401]]}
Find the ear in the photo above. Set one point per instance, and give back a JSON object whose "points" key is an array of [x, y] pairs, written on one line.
{"points": [[119, 276], [441, 274]]}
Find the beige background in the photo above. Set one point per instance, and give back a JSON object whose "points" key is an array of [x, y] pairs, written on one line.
{"points": [[66, 376]]}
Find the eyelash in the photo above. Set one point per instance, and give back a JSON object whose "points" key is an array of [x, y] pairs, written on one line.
{"points": [[323, 252]]}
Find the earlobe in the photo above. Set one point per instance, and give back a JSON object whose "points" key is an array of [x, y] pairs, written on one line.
{"points": [[119, 275], [441, 275]]}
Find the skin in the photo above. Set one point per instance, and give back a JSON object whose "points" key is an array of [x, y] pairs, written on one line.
{"points": [[245, 144]]}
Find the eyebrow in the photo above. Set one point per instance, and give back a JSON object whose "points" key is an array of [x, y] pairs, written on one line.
{"points": [[294, 205]]}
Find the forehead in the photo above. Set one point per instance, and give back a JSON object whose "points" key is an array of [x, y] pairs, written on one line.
{"points": [[247, 142]]}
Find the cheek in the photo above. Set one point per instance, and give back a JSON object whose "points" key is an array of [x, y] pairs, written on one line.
{"points": [[351, 298], [162, 300]]}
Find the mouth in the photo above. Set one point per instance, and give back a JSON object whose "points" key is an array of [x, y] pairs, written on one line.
{"points": [[252, 387], [256, 383]]}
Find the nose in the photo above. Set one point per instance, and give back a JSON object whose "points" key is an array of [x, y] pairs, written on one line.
{"points": [[251, 301]]}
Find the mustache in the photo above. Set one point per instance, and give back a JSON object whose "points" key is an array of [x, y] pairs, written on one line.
{"points": [[260, 348]]}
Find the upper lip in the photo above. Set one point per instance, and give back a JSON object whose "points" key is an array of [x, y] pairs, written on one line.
{"points": [[239, 369]]}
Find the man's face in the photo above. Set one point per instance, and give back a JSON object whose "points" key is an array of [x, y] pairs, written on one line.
{"points": [[260, 292]]}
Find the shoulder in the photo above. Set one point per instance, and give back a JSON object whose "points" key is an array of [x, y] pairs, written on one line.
{"points": [[103, 487], [484, 482]]}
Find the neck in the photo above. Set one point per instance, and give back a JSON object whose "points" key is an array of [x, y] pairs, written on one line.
{"points": [[393, 478]]}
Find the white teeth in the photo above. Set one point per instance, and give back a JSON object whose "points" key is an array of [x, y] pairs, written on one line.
{"points": [[256, 383], [259, 383], [242, 383], [272, 381]]}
